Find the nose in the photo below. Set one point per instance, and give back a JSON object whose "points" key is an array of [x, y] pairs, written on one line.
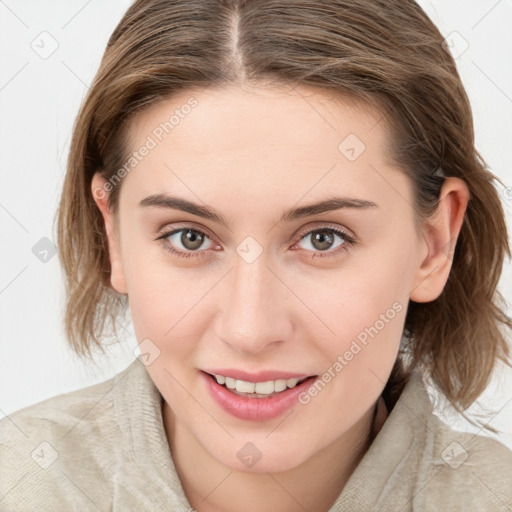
{"points": [[253, 313]]}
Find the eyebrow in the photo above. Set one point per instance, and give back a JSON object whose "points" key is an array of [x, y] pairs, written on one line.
{"points": [[331, 204]]}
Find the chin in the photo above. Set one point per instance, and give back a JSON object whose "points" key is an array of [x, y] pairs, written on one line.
{"points": [[258, 457]]}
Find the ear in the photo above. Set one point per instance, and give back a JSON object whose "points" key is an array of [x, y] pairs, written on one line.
{"points": [[100, 195], [440, 236]]}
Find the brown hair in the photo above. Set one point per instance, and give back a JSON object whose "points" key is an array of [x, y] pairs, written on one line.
{"points": [[385, 52]]}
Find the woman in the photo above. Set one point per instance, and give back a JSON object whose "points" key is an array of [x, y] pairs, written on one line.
{"points": [[287, 197]]}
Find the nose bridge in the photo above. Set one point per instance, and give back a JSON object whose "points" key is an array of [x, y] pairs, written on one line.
{"points": [[252, 316]]}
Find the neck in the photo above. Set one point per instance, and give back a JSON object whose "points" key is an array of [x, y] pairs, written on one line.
{"points": [[313, 485]]}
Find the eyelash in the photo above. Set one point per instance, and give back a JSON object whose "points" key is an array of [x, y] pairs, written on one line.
{"points": [[348, 242]]}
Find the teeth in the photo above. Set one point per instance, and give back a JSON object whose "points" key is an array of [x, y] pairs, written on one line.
{"points": [[291, 383], [230, 383], [265, 388], [260, 388], [245, 387], [280, 385]]}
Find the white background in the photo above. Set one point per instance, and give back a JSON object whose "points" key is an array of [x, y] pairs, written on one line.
{"points": [[39, 99]]}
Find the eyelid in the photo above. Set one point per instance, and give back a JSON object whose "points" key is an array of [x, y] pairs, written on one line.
{"points": [[326, 225], [300, 234], [178, 226]]}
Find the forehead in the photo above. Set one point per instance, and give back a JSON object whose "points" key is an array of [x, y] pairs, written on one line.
{"points": [[237, 117], [290, 141]]}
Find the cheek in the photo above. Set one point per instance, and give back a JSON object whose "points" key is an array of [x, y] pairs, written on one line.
{"points": [[365, 309], [156, 298], [366, 313], [168, 306], [162, 310]]}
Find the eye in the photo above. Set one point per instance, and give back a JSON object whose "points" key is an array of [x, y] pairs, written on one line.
{"points": [[324, 238], [190, 240]]}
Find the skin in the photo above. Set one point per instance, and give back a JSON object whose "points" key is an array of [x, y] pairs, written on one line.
{"points": [[250, 154]]}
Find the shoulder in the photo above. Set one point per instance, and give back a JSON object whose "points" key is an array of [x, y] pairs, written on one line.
{"points": [[86, 409], [54, 415], [42, 445], [467, 471], [418, 462], [453, 470]]}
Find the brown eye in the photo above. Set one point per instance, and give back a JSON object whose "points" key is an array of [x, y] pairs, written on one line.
{"points": [[324, 239], [185, 242], [191, 239]]}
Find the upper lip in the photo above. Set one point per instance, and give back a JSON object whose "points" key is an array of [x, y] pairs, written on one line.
{"points": [[262, 376]]}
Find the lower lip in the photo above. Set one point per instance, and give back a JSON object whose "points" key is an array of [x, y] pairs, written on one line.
{"points": [[255, 409]]}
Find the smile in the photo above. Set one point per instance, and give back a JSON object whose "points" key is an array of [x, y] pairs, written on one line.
{"points": [[255, 400]]}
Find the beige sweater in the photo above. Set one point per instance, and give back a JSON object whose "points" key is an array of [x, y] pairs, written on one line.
{"points": [[104, 448]]}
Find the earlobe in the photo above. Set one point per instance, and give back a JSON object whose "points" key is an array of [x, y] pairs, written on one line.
{"points": [[440, 237], [100, 196]]}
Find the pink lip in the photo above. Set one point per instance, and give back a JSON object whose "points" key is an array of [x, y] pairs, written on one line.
{"points": [[254, 377], [254, 409]]}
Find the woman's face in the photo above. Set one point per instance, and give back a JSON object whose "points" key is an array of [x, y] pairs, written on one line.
{"points": [[231, 270]]}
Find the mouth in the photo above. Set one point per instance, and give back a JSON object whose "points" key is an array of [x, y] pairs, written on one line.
{"points": [[254, 400]]}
